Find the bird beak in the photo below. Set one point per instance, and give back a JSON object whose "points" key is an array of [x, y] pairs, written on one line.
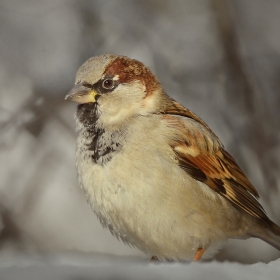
{"points": [[81, 94]]}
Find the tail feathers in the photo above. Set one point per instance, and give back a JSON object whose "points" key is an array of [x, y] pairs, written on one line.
{"points": [[272, 237], [273, 240], [275, 229]]}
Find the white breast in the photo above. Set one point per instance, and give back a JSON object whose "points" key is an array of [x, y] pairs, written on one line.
{"points": [[147, 200]]}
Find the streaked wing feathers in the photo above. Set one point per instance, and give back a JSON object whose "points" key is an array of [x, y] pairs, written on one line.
{"points": [[200, 153]]}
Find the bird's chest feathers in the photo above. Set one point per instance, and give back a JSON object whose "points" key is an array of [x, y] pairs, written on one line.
{"points": [[98, 147], [96, 156], [106, 193]]}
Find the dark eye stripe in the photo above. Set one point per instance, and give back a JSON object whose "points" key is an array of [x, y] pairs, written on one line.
{"points": [[88, 85], [108, 83], [100, 87]]}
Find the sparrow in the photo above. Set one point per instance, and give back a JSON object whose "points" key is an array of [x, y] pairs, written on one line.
{"points": [[153, 172]]}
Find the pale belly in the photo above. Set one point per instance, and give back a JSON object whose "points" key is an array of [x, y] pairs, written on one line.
{"points": [[162, 212]]}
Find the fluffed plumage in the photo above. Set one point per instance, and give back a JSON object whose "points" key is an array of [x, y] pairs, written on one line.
{"points": [[153, 172]]}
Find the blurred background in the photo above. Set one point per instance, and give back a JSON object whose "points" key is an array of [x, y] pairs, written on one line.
{"points": [[220, 58]]}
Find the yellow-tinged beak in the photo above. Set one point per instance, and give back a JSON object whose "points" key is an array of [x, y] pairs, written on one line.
{"points": [[81, 94]]}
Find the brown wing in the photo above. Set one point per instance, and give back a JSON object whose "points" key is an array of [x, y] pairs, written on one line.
{"points": [[200, 153]]}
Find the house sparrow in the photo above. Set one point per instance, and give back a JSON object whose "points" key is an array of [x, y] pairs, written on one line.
{"points": [[153, 172]]}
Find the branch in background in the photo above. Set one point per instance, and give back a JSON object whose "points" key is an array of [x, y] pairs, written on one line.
{"points": [[234, 61]]}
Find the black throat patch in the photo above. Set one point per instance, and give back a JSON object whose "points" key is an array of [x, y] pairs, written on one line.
{"points": [[102, 145]]}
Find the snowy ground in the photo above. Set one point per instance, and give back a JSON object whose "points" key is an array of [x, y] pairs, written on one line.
{"points": [[105, 267]]}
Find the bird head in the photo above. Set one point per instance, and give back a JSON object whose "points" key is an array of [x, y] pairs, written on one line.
{"points": [[116, 87]]}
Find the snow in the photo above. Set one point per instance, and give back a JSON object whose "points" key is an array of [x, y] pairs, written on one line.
{"points": [[112, 267]]}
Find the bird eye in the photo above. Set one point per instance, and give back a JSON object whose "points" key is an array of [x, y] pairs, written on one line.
{"points": [[108, 84]]}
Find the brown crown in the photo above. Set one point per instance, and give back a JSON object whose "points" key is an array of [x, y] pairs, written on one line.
{"points": [[129, 70]]}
